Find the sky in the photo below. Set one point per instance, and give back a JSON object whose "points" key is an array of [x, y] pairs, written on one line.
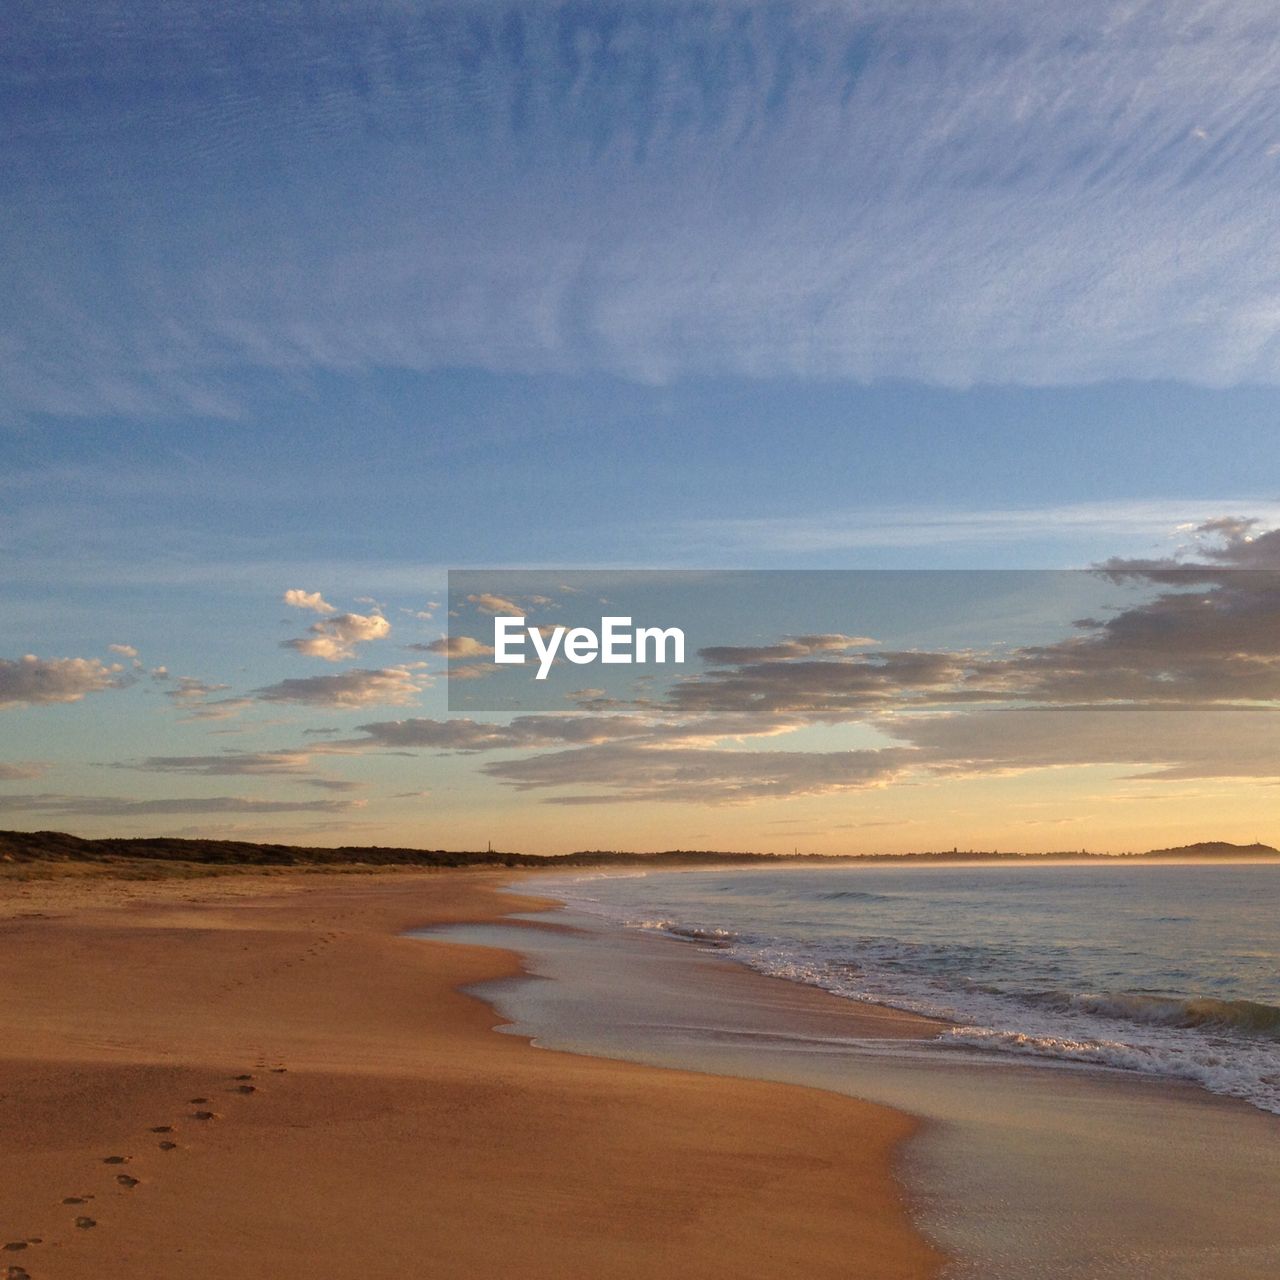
{"points": [[306, 306]]}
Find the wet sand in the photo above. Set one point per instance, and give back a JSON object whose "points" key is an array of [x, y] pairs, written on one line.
{"points": [[259, 1077], [1053, 1171]]}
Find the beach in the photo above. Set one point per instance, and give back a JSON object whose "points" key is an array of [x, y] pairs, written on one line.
{"points": [[262, 1076], [1024, 1165]]}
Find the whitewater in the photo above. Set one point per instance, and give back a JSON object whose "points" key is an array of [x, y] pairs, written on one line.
{"points": [[1169, 970]]}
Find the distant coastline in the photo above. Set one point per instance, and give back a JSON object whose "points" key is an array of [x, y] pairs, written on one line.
{"points": [[166, 855]]}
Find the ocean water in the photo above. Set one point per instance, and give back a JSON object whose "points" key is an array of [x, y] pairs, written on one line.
{"points": [[1170, 970]]}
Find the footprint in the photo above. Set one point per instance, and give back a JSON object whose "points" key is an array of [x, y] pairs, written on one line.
{"points": [[162, 1128], [279, 1070], [15, 1246], [204, 1115], [17, 1273], [125, 1180], [77, 1199], [195, 1102], [115, 1159], [85, 1223], [167, 1146], [246, 1088], [246, 1076]]}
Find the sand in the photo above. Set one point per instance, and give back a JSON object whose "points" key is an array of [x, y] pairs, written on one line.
{"points": [[258, 1077]]}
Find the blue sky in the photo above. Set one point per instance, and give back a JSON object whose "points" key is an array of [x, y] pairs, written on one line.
{"points": [[337, 298]]}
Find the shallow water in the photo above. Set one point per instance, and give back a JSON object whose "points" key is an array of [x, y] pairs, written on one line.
{"points": [[1172, 970], [1048, 1169]]}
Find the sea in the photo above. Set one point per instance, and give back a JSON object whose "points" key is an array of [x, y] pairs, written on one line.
{"points": [[1172, 970]]}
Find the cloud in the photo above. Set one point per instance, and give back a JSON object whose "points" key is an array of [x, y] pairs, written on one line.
{"points": [[784, 650], [35, 681], [361, 832], [457, 647], [811, 531], [67, 806], [194, 697], [296, 598], [487, 602], [125, 650], [1181, 683], [23, 771], [289, 765], [217, 709], [1221, 550], [335, 639], [1213, 636], [387, 686], [521, 732], [999, 193], [474, 671], [1166, 744], [627, 773], [193, 689]]}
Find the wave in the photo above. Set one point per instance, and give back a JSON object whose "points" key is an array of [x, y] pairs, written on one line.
{"points": [[1001, 983], [687, 933], [1249, 1016], [1229, 1047], [1239, 1071]]}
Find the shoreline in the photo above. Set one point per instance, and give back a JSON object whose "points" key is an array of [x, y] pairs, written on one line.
{"points": [[1070, 1170], [384, 1125]]}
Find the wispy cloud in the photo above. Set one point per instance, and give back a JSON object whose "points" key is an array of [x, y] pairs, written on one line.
{"points": [[291, 766], [522, 732], [54, 804], [386, 686], [622, 773], [1134, 521], [195, 698], [950, 191]]}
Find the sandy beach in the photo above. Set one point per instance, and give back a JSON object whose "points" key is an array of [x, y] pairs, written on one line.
{"points": [[259, 1076]]}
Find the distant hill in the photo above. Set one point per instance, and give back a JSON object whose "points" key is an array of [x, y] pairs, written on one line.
{"points": [[1215, 849]]}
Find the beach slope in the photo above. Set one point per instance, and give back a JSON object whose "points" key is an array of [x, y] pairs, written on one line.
{"points": [[258, 1077]]}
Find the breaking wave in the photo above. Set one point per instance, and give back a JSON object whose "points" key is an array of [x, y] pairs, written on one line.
{"points": [[1071, 969]]}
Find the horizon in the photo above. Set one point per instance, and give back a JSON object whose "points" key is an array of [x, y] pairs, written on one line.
{"points": [[1207, 852]]}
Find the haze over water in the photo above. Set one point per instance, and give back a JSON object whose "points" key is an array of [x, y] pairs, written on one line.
{"points": [[1165, 969]]}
